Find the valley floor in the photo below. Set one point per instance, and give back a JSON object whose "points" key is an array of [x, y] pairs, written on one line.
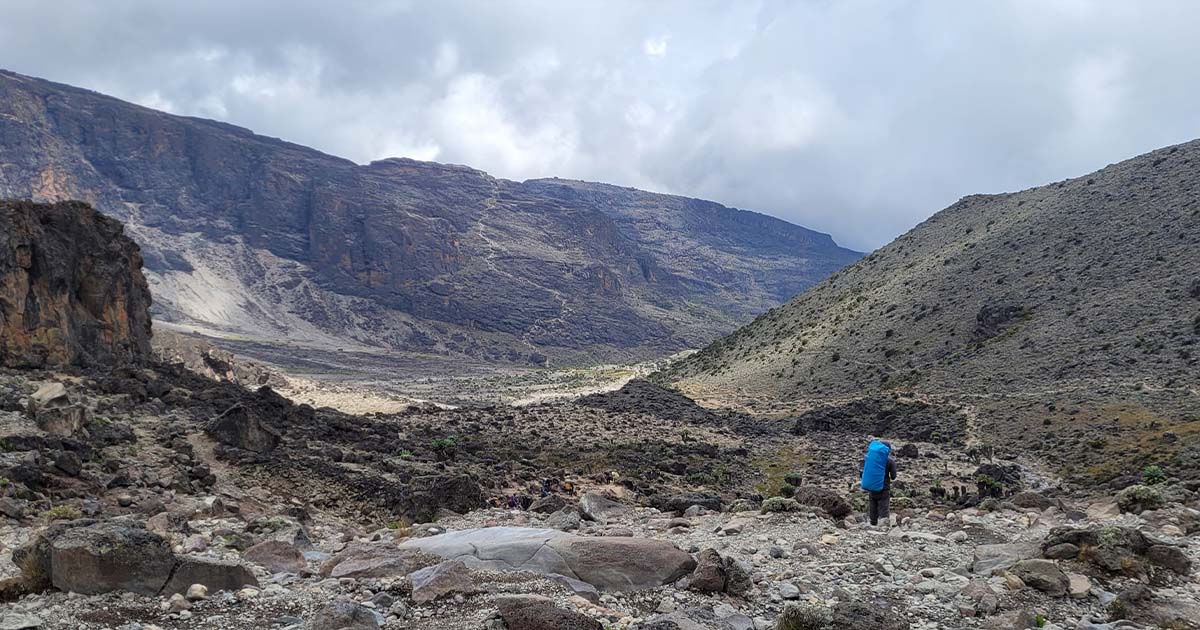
{"points": [[326, 508]]}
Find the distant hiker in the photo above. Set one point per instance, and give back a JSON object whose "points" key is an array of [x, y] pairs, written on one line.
{"points": [[879, 469]]}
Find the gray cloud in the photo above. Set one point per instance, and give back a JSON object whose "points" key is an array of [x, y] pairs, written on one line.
{"points": [[858, 118]]}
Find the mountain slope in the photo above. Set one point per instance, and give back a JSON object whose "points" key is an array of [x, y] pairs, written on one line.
{"points": [[1078, 301], [257, 238]]}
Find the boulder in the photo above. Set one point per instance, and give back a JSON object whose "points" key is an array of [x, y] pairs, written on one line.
{"points": [[1061, 551], [831, 502], [276, 556], [238, 428], [91, 557], [1139, 498], [877, 615], [609, 563], [709, 575], [445, 578], [595, 507], [715, 573], [1030, 499], [548, 504], [1170, 557], [360, 561], [216, 575], [19, 621], [1044, 575], [992, 559], [340, 615], [165, 523], [428, 494], [1079, 586], [681, 502], [50, 407], [1122, 550], [531, 612], [566, 519]]}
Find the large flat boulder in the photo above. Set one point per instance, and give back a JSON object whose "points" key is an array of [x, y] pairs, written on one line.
{"points": [[609, 563], [110, 556], [90, 557], [376, 560]]}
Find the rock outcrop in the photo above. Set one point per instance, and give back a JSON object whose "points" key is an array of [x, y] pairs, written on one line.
{"points": [[71, 288]]}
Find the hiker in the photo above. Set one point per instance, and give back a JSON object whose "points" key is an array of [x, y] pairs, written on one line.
{"points": [[879, 469]]}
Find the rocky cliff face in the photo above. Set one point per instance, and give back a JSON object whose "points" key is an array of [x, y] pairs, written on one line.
{"points": [[251, 236], [71, 288]]}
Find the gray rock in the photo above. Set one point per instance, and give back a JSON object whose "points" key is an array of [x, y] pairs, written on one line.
{"points": [[531, 612], [566, 519], [361, 561], [344, 616], [1061, 551], [595, 507], [51, 408], [217, 575], [19, 621], [606, 562], [1044, 575], [446, 578], [276, 556], [990, 559], [239, 428]]}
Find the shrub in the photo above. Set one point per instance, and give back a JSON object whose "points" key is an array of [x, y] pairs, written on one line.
{"points": [[780, 504], [804, 616], [787, 491], [1152, 475], [1137, 499], [62, 513], [794, 479]]}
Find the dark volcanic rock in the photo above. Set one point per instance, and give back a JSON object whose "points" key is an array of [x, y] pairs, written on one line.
{"points": [[403, 254], [640, 396], [239, 428], [887, 417], [1120, 550], [71, 288], [527, 612]]}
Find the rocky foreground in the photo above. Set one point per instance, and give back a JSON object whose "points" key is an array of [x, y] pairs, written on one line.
{"points": [[156, 498]]}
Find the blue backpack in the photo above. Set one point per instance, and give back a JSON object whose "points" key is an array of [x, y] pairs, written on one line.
{"points": [[875, 466]]}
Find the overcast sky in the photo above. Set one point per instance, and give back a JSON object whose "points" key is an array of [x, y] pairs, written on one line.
{"points": [[857, 118]]}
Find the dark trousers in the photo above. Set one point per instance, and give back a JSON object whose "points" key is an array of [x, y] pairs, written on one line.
{"points": [[878, 506]]}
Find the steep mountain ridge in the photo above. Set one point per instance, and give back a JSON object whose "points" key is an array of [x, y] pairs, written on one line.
{"points": [[1077, 302], [252, 237]]}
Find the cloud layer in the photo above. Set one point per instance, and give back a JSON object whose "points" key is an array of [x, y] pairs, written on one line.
{"points": [[855, 117]]}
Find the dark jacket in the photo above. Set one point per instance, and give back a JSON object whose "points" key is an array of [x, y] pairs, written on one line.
{"points": [[889, 474]]}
